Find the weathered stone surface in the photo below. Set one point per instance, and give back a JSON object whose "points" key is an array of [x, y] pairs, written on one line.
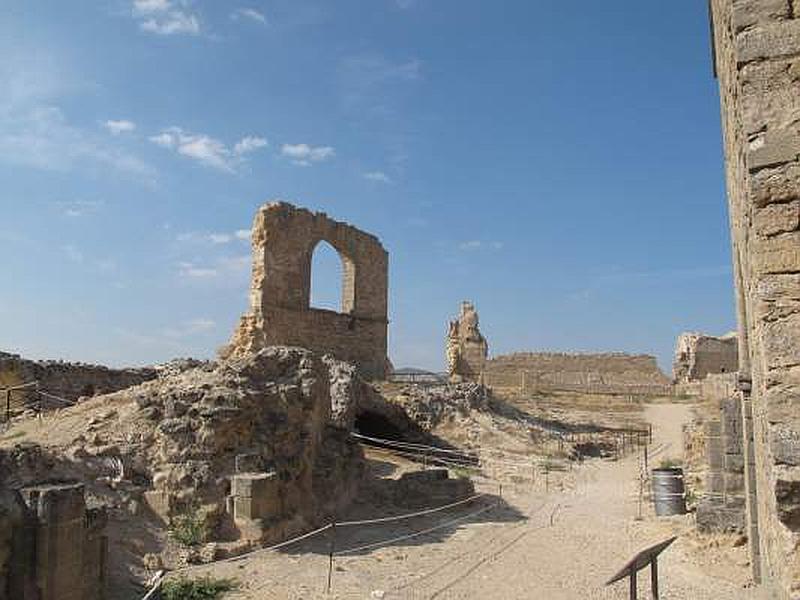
{"points": [[772, 40], [777, 218], [749, 12], [713, 516], [283, 239], [467, 349]]}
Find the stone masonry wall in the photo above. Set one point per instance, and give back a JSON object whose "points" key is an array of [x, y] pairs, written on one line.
{"points": [[284, 238], [65, 380], [613, 373], [757, 56]]}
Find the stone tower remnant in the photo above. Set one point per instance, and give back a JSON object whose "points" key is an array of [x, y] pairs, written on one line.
{"points": [[467, 349], [283, 239], [698, 355]]}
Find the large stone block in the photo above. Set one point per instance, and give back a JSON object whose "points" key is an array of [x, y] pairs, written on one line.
{"points": [[772, 40], [777, 254], [714, 516], [777, 218], [746, 13], [255, 495], [773, 148]]}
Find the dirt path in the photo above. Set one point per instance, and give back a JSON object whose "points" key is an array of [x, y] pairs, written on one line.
{"points": [[550, 544]]}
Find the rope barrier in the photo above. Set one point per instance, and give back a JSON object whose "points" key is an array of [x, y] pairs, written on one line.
{"points": [[57, 398], [415, 534], [408, 515]]}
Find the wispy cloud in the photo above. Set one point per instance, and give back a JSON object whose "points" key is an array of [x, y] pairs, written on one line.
{"points": [[250, 14], [249, 144], [368, 81], [215, 238], [480, 245], [379, 176], [79, 208], [166, 17], [206, 149], [226, 267], [305, 155], [42, 138], [121, 126]]}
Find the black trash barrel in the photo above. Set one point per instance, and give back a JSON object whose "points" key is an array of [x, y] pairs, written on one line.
{"points": [[668, 492]]}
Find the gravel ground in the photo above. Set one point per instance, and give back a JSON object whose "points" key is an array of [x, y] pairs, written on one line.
{"points": [[563, 542]]}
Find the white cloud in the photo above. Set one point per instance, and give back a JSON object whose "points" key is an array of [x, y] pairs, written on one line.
{"points": [[41, 137], [79, 208], [233, 268], [249, 13], [207, 150], [219, 238], [305, 155], [191, 271], [377, 176], [249, 144], [150, 6], [216, 238], [121, 126], [166, 17], [478, 245]]}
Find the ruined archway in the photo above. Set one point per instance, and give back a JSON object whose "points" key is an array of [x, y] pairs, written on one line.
{"points": [[284, 239]]}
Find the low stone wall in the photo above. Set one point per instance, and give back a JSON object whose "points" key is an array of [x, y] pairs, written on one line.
{"points": [[64, 379], [715, 387], [607, 373]]}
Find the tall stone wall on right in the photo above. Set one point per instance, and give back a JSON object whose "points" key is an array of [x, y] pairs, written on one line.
{"points": [[757, 61]]}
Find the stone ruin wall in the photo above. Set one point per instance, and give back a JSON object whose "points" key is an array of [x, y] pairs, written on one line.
{"points": [[284, 238], [51, 546], [609, 373], [698, 355], [64, 379], [757, 61]]}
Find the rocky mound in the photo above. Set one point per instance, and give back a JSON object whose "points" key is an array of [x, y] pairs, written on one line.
{"points": [[175, 444]]}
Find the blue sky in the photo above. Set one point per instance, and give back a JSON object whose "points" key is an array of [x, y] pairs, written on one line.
{"points": [[558, 164]]}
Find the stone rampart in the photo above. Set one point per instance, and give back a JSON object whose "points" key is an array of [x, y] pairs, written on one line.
{"points": [[607, 373]]}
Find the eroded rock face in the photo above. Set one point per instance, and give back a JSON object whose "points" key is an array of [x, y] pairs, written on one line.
{"points": [[467, 349], [431, 406]]}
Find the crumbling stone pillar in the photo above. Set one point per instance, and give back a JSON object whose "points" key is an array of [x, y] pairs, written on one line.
{"points": [[61, 547], [467, 349]]}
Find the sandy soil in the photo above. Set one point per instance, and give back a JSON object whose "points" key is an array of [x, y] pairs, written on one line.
{"points": [[557, 542]]}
